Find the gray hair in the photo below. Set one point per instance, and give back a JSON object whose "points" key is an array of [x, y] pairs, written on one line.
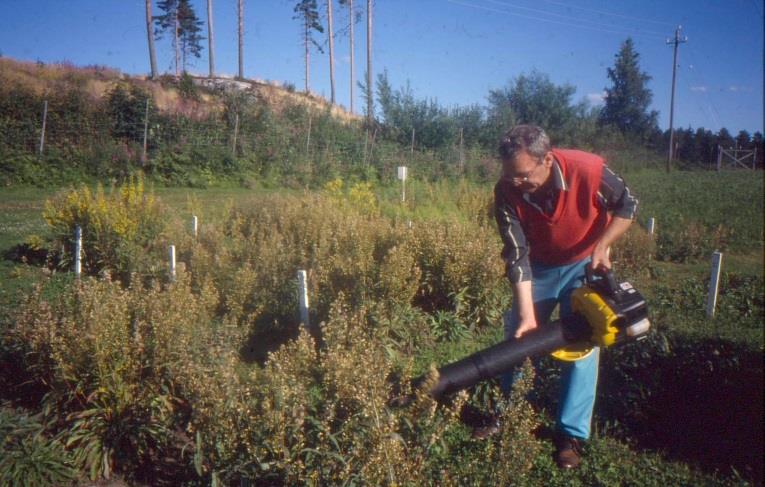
{"points": [[524, 138]]}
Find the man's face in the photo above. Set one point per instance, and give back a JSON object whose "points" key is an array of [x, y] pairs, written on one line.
{"points": [[527, 172]]}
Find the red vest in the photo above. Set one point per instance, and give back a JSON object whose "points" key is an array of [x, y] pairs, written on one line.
{"points": [[571, 232]]}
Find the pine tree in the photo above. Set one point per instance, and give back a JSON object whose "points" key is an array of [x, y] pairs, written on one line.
{"points": [[307, 11], [180, 18], [190, 31], [628, 99]]}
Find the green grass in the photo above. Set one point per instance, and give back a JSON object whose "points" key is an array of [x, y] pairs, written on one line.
{"points": [[733, 199]]}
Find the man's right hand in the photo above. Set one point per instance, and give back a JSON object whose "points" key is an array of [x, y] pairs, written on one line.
{"points": [[525, 304], [525, 326]]}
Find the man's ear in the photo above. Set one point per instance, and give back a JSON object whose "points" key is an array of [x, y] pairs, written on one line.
{"points": [[548, 159]]}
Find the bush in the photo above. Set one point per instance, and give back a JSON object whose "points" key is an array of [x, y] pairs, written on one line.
{"points": [[121, 231]]}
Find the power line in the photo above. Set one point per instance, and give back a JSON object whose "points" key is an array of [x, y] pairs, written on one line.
{"points": [[603, 12], [546, 12], [715, 113], [490, 9]]}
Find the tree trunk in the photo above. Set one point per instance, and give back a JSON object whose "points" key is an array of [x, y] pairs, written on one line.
{"points": [[176, 45], [370, 90], [331, 52], [150, 35], [350, 21], [240, 12], [210, 38], [307, 57]]}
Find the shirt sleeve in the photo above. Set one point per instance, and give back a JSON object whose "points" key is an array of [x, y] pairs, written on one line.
{"points": [[515, 250], [615, 196]]}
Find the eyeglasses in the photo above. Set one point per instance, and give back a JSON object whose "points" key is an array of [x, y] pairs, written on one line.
{"points": [[523, 177]]}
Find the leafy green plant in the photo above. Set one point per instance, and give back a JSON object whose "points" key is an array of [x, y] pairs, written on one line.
{"points": [[119, 429], [447, 326], [28, 455]]}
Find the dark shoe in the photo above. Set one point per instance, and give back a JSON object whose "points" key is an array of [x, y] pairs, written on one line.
{"points": [[569, 452], [487, 430]]}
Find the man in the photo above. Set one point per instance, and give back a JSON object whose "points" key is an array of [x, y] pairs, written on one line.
{"points": [[557, 211]]}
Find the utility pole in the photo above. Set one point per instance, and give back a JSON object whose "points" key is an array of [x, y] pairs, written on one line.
{"points": [[676, 41]]}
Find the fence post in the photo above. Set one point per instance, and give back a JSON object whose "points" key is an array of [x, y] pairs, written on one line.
{"points": [[236, 133], [651, 225], [42, 132], [172, 263], [462, 153], [303, 298], [308, 135], [719, 157], [145, 132], [194, 225], [77, 251], [714, 283]]}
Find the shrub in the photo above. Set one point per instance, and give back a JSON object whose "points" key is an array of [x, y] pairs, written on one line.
{"points": [[120, 366], [121, 230]]}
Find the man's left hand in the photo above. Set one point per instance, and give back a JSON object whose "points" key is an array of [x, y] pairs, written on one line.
{"points": [[600, 258]]}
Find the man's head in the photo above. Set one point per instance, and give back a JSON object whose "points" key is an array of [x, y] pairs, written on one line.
{"points": [[526, 157]]}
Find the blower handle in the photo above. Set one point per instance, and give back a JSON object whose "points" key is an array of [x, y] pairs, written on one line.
{"points": [[605, 280]]}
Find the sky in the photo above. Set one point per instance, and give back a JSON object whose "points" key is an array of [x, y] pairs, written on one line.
{"points": [[453, 51]]}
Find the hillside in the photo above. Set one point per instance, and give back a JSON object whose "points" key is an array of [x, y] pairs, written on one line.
{"points": [[61, 124], [41, 79]]}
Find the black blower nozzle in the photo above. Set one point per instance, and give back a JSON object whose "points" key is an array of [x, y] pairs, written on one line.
{"points": [[500, 358]]}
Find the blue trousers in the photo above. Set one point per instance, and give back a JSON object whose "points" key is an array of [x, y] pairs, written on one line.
{"points": [[553, 285]]}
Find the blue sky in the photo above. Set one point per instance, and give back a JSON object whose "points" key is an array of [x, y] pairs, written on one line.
{"points": [[452, 50]]}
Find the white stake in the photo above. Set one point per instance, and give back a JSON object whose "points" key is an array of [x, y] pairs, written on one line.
{"points": [[194, 225], [172, 263], [42, 132], [714, 283], [303, 298], [77, 251], [651, 225], [402, 173]]}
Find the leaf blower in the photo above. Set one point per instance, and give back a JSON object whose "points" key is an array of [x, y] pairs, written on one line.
{"points": [[604, 314]]}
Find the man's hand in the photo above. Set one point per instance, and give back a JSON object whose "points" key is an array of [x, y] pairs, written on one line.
{"points": [[525, 304], [613, 231], [600, 258], [525, 326]]}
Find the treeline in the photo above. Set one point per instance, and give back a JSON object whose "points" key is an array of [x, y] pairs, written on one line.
{"points": [[533, 98]]}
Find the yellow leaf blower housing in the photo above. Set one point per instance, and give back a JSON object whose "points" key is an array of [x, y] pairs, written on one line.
{"points": [[614, 312]]}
